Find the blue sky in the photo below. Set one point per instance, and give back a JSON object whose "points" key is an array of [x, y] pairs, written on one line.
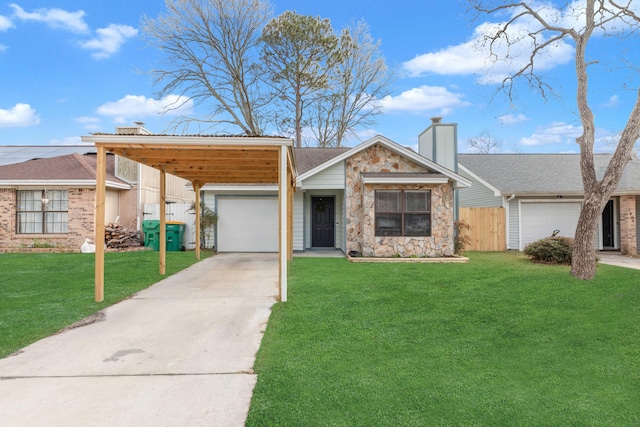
{"points": [[69, 68]]}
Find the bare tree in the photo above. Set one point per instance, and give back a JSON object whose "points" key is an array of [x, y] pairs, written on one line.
{"points": [[546, 29], [212, 49], [484, 143], [360, 79], [299, 53]]}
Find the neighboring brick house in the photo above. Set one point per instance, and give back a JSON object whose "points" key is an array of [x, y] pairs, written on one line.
{"points": [[67, 175], [50, 202]]}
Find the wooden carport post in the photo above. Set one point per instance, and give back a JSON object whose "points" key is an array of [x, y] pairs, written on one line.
{"points": [[196, 188], [101, 183], [283, 202], [163, 221]]}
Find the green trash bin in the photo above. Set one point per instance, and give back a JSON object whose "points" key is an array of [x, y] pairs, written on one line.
{"points": [[151, 230], [175, 234]]}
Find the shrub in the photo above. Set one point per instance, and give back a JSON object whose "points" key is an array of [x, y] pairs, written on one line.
{"points": [[462, 238], [555, 250]]}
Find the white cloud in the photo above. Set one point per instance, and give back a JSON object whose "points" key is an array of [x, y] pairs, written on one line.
{"points": [[90, 123], [510, 119], [109, 40], [54, 18], [3, 47], [605, 141], [5, 23], [555, 133], [86, 119], [613, 102], [422, 99], [474, 56], [19, 115], [136, 107]]}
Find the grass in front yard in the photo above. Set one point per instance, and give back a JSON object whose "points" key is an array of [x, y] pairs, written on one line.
{"points": [[499, 341], [43, 293]]}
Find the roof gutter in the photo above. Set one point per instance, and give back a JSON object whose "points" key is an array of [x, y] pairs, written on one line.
{"points": [[60, 183]]}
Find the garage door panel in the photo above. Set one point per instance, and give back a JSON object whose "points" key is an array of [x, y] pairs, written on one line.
{"points": [[540, 219], [247, 224]]}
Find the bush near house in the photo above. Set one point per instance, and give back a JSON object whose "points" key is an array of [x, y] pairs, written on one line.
{"points": [[555, 250]]}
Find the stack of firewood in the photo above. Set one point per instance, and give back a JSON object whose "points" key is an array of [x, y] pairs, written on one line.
{"points": [[117, 236]]}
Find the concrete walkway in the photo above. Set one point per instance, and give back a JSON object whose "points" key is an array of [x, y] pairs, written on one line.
{"points": [[615, 258], [179, 353]]}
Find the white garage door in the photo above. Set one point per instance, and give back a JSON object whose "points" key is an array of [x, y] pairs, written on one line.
{"points": [[247, 224], [538, 220]]}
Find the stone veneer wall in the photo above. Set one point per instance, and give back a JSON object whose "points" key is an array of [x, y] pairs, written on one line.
{"points": [[80, 222], [360, 201], [628, 224]]}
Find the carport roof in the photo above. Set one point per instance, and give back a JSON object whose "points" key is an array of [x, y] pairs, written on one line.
{"points": [[203, 159]]}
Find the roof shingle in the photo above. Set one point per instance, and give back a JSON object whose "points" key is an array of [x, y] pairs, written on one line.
{"points": [[72, 167], [543, 173]]}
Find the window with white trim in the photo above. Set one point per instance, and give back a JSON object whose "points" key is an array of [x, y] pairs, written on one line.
{"points": [[42, 211], [403, 212]]}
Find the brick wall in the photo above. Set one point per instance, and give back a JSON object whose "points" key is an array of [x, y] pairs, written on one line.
{"points": [[628, 224], [80, 224]]}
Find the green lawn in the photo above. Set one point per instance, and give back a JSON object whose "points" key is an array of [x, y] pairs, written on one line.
{"points": [[43, 293], [496, 342]]}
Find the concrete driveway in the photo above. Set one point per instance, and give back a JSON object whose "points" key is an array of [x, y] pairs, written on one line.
{"points": [[615, 258], [179, 353]]}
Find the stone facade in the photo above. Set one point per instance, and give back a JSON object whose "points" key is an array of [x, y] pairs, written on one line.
{"points": [[628, 223], [80, 226], [360, 211]]}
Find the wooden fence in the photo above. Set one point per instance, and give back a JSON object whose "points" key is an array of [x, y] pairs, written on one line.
{"points": [[488, 228]]}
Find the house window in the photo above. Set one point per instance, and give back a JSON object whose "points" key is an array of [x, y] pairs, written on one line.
{"points": [[42, 211], [403, 213]]}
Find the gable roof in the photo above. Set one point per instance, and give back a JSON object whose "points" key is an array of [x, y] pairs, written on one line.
{"points": [[458, 180], [10, 154], [542, 174], [71, 169]]}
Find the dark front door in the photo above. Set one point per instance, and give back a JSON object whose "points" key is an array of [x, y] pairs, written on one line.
{"points": [[607, 226], [322, 222]]}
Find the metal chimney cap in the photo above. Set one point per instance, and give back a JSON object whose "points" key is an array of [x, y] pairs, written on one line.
{"points": [[436, 120]]}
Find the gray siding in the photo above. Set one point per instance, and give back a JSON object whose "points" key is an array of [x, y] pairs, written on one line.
{"points": [[478, 195], [298, 221], [331, 178], [425, 144]]}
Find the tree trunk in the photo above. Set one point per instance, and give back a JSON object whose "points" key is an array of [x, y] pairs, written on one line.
{"points": [[298, 119], [583, 262]]}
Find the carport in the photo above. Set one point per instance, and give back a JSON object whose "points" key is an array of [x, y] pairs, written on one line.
{"points": [[201, 160]]}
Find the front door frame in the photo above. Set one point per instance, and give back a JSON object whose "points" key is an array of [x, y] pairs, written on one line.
{"points": [[330, 223], [609, 209]]}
